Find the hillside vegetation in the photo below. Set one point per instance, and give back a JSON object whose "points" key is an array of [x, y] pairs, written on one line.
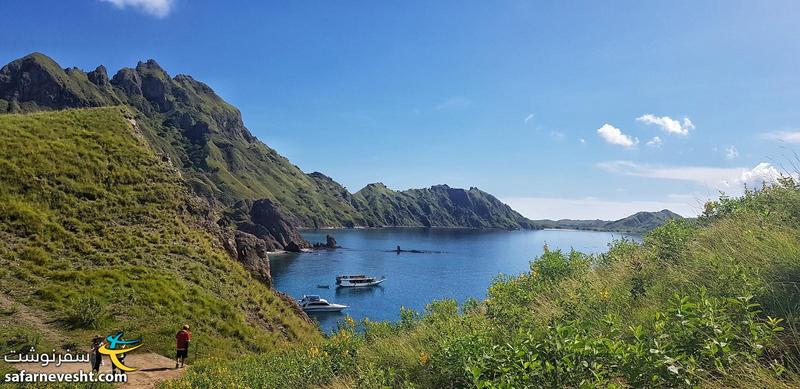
{"points": [[711, 304], [98, 234]]}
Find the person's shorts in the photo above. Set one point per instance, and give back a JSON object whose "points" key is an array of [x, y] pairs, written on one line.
{"points": [[182, 353]]}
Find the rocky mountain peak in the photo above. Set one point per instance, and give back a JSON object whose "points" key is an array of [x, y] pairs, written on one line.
{"points": [[99, 77]]}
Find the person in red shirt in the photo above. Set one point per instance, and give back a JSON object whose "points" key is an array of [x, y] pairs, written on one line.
{"points": [[182, 339]]}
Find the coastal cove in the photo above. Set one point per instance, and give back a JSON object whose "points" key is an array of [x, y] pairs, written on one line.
{"points": [[458, 263]]}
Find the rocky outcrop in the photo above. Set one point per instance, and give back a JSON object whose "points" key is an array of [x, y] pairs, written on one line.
{"points": [[99, 77], [36, 82], [293, 247], [330, 243], [267, 221], [251, 252]]}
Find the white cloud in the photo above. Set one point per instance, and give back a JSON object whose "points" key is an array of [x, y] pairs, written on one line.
{"points": [[668, 124], [454, 102], [759, 175], [615, 136], [529, 118], [594, 208], [159, 8], [655, 142], [583, 141], [783, 136], [715, 178], [731, 152]]}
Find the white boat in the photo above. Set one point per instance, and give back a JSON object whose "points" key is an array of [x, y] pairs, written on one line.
{"points": [[357, 280], [314, 303]]}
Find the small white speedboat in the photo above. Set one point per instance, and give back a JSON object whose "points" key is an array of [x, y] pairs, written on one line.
{"points": [[314, 303], [357, 280]]}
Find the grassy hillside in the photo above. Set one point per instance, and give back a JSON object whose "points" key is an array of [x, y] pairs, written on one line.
{"points": [[712, 304], [97, 234]]}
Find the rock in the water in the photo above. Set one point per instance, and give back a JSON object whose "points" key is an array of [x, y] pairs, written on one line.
{"points": [[330, 242]]}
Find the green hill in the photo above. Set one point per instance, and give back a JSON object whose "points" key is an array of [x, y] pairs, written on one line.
{"points": [[98, 233], [439, 206]]}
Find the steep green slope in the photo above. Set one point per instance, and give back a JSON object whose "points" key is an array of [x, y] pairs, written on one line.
{"points": [[98, 233], [437, 206]]}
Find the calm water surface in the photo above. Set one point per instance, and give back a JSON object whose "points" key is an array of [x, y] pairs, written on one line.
{"points": [[468, 262]]}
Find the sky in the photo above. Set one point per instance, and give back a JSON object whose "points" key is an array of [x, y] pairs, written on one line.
{"points": [[563, 109]]}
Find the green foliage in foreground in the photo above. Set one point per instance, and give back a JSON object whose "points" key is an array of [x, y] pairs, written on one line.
{"points": [[712, 304], [96, 235]]}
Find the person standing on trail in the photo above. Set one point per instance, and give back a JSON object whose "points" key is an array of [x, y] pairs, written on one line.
{"points": [[182, 339], [95, 357]]}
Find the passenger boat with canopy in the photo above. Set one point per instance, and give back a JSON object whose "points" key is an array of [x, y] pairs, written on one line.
{"points": [[357, 280]]}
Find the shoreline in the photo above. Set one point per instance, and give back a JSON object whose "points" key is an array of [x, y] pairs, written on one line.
{"points": [[310, 229], [416, 227]]}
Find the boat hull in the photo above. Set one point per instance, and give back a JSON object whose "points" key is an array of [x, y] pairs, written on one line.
{"points": [[347, 284], [325, 309]]}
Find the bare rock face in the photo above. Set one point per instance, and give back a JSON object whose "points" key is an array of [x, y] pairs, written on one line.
{"points": [[268, 221], [99, 77], [36, 81], [251, 252], [128, 81]]}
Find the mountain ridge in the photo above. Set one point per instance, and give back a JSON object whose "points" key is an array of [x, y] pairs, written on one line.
{"points": [[184, 120]]}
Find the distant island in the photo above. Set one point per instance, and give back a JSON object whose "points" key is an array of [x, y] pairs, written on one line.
{"points": [[639, 222]]}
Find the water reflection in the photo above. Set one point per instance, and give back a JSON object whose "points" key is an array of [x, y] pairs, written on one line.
{"points": [[366, 291]]}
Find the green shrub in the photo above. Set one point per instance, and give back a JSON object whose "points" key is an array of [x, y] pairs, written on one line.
{"points": [[86, 312]]}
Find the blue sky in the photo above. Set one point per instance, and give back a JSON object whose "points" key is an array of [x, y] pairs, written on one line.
{"points": [[561, 108]]}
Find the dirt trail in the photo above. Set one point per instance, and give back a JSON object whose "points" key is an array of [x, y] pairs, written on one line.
{"points": [[23, 314], [152, 368]]}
